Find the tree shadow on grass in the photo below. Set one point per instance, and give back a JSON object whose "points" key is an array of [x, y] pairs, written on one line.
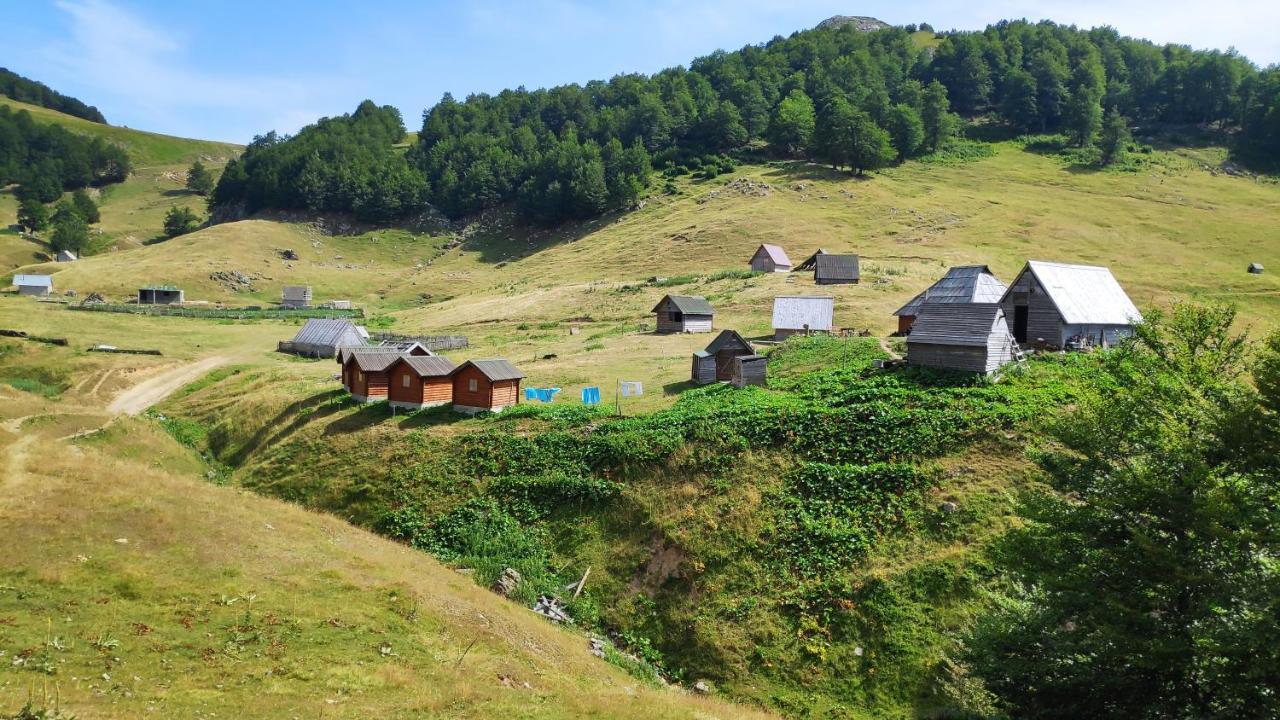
{"points": [[430, 417], [320, 404], [367, 416], [795, 170]]}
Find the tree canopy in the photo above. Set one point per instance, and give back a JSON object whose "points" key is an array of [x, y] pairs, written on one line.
{"points": [[45, 160], [32, 92]]}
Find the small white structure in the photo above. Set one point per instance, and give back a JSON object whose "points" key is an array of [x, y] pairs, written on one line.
{"points": [[1060, 305], [66, 256], [37, 285], [802, 315], [770, 258]]}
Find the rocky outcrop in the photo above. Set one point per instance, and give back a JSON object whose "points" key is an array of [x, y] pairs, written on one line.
{"points": [[859, 22]]}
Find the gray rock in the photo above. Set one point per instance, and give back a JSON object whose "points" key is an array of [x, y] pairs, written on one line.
{"points": [[507, 582], [702, 688], [949, 508], [597, 647]]}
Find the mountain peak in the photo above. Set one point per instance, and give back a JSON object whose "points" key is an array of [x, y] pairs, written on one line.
{"points": [[860, 22]]}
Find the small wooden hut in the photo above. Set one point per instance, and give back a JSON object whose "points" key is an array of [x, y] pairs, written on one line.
{"points": [[683, 314], [968, 337], [1255, 268], [485, 385], [716, 362], [962, 284], [366, 374], [420, 381], [66, 256], [749, 370], [830, 269], [770, 258]]}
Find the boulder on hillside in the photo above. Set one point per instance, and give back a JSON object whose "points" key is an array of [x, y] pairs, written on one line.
{"points": [[507, 582]]}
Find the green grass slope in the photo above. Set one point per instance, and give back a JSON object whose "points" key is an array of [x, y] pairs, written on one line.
{"points": [[132, 211]]}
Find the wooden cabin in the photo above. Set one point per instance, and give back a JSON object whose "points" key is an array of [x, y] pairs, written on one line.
{"points": [[485, 386], [1056, 305], [323, 337], [802, 315], [419, 381], [296, 296], [770, 258], [366, 374], [683, 314], [963, 284], [749, 370], [160, 295], [344, 354], [969, 337], [715, 363], [830, 269], [35, 285]]}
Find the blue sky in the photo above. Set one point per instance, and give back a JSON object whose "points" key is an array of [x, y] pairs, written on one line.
{"points": [[231, 69]]}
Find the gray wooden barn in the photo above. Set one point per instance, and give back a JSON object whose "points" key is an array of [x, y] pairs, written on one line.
{"points": [[970, 337], [322, 337], [832, 269], [716, 362], [1059, 306], [770, 258], [961, 284], [749, 370], [683, 314]]}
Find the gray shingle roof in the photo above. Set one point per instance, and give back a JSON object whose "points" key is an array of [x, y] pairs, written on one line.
{"points": [[494, 368], [687, 304], [1084, 294], [428, 365], [836, 267], [969, 324], [374, 361], [345, 352], [327, 331], [961, 284], [728, 339], [794, 312]]}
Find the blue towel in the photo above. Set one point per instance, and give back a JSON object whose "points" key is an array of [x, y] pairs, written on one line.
{"points": [[530, 393], [591, 395]]}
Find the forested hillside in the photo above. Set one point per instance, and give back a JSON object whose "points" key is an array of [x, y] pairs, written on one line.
{"points": [[842, 96], [44, 160], [29, 91]]}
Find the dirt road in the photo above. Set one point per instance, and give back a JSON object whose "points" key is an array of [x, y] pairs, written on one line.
{"points": [[152, 390]]}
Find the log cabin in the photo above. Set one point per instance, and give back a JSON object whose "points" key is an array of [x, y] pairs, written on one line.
{"points": [[969, 337], [420, 381], [485, 385], [715, 363]]}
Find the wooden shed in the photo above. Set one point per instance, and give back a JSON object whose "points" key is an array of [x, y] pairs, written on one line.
{"points": [[344, 354], [770, 258], [160, 295], [810, 262], [749, 370], [485, 385], [830, 269], [969, 337], [1255, 268], [366, 374], [802, 315], [1059, 306], [419, 381], [323, 337], [296, 296], [66, 256], [683, 314], [962, 284], [37, 285], [716, 362]]}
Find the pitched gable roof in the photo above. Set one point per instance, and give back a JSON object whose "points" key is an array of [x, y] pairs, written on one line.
{"points": [[835, 267], [961, 284], [795, 312], [958, 324], [327, 331], [810, 261], [344, 353], [374, 361], [1083, 294], [687, 304], [427, 365], [494, 368], [775, 253], [728, 339]]}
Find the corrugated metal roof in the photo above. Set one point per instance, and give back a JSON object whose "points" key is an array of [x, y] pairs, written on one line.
{"points": [[969, 324], [687, 304], [297, 292], [961, 284], [776, 254], [375, 360], [795, 312], [836, 267], [404, 346], [33, 280], [494, 368], [1085, 294], [728, 339], [428, 365], [345, 352], [327, 331]]}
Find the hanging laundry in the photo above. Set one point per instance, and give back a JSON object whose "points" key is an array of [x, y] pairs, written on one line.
{"points": [[591, 395], [530, 393], [546, 395], [631, 388]]}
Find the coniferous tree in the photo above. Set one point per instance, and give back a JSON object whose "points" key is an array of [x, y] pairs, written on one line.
{"points": [[199, 179], [85, 205], [180, 220], [1115, 137]]}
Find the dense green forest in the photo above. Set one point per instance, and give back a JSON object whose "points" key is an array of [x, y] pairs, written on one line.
{"points": [[44, 160], [31, 92], [853, 99]]}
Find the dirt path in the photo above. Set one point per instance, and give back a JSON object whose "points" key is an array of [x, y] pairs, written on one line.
{"points": [[884, 345], [151, 391]]}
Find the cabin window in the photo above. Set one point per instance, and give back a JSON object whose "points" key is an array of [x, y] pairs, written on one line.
{"points": [[404, 381], [360, 376], [473, 385]]}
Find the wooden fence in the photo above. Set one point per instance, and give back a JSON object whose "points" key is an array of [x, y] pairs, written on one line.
{"points": [[434, 343], [221, 313]]}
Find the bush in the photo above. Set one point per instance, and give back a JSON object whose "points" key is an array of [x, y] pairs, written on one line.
{"points": [[180, 221]]}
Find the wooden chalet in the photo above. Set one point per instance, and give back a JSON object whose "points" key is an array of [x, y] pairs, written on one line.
{"points": [[37, 285], [970, 337], [419, 381], [716, 362], [1057, 305], [485, 386], [830, 269], [802, 315], [683, 314], [963, 284], [770, 258]]}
